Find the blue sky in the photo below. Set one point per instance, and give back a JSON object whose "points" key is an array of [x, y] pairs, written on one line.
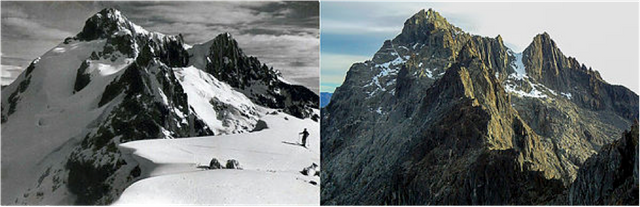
{"points": [[601, 35]]}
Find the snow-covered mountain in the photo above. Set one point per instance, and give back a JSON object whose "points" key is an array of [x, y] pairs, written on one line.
{"points": [[440, 116], [65, 116]]}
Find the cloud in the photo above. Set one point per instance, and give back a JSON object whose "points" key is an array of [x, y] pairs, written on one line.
{"points": [[342, 27], [277, 18], [294, 55], [9, 72], [26, 28]]}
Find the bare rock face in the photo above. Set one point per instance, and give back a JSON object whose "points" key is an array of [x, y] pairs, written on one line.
{"points": [[103, 24], [545, 63], [439, 116], [611, 176], [262, 84]]}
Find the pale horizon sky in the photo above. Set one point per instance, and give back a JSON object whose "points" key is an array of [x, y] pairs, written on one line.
{"points": [[603, 36]]}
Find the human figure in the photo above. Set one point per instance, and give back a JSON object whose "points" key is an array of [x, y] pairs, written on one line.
{"points": [[305, 134]]}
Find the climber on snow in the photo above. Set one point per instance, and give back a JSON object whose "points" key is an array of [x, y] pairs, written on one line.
{"points": [[305, 134]]}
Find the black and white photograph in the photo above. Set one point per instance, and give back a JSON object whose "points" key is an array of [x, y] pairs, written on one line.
{"points": [[193, 103]]}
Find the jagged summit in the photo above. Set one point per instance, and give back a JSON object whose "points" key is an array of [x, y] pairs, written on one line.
{"points": [[429, 16], [226, 46], [103, 24], [545, 63], [543, 36], [224, 59], [107, 22], [543, 59], [423, 24]]}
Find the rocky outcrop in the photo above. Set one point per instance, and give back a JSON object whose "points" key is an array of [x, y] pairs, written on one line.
{"points": [[233, 164], [545, 63], [214, 164], [106, 23], [611, 176], [262, 84], [82, 78]]}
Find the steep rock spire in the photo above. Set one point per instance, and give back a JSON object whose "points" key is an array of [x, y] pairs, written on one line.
{"points": [[103, 24], [543, 59]]}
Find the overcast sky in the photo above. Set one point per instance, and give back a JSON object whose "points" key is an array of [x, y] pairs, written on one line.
{"points": [[601, 35], [284, 35]]}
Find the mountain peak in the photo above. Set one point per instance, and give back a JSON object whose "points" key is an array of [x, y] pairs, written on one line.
{"points": [[499, 39], [429, 16], [105, 23], [423, 24], [223, 58], [229, 45], [544, 38], [544, 41], [111, 13], [226, 37], [543, 35]]}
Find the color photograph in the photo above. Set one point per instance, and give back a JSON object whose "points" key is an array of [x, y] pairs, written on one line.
{"points": [[479, 103]]}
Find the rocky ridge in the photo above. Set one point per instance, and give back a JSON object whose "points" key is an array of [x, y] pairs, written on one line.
{"points": [[466, 121]]}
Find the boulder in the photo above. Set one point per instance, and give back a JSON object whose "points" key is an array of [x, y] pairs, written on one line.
{"points": [[233, 164], [214, 164]]}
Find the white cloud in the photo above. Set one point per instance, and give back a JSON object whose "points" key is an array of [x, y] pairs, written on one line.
{"points": [[9, 73], [367, 28], [30, 28], [281, 51]]}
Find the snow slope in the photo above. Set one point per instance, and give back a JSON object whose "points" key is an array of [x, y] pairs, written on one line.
{"points": [[63, 117], [47, 108], [270, 159], [203, 90]]}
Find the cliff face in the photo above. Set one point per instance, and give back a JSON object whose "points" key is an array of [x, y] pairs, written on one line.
{"points": [[611, 176], [545, 63], [439, 116], [262, 84]]}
